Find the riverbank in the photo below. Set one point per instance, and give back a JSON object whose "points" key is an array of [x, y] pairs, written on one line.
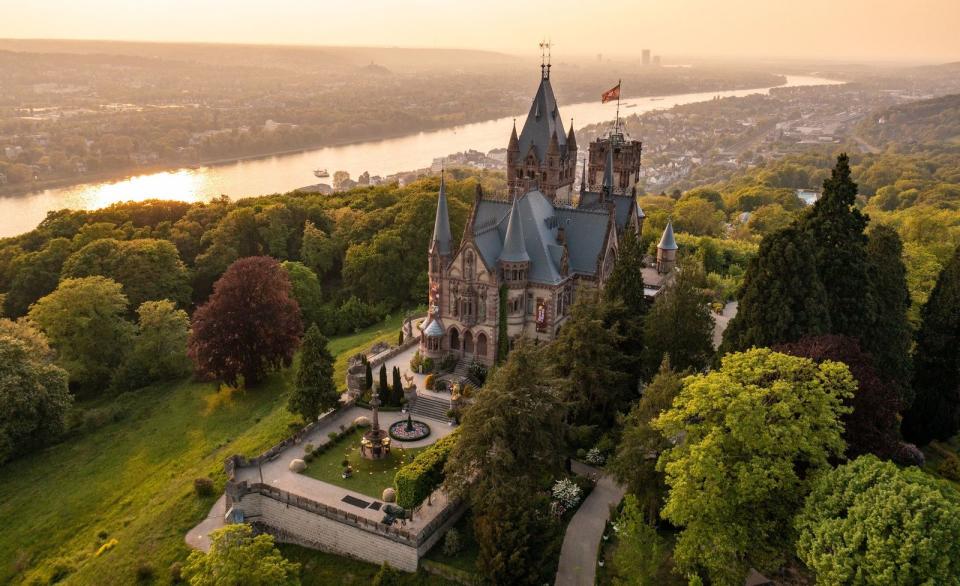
{"points": [[129, 173]]}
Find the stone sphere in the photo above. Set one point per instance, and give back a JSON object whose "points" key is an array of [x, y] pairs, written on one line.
{"points": [[362, 421], [297, 465], [389, 495]]}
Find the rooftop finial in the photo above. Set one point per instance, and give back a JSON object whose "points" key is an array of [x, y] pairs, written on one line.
{"points": [[545, 59]]}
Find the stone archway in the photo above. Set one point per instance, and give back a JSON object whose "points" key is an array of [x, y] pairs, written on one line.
{"points": [[482, 344], [454, 339], [468, 343]]}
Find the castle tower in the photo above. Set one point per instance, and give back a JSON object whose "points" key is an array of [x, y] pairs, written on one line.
{"points": [[624, 156], [543, 156], [667, 250]]}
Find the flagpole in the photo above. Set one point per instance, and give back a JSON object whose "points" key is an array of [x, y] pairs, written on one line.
{"points": [[617, 125]]}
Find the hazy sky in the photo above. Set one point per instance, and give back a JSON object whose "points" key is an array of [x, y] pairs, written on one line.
{"points": [[861, 29]]}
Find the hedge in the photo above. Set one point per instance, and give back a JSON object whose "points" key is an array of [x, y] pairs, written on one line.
{"points": [[418, 479]]}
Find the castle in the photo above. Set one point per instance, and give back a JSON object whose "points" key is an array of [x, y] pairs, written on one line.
{"points": [[523, 258]]}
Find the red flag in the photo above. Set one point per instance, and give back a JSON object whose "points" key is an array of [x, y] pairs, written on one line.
{"points": [[610, 95]]}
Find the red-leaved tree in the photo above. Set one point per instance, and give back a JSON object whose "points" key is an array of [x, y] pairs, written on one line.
{"points": [[250, 324], [872, 427]]}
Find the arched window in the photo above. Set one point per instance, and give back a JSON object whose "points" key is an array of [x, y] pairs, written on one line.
{"points": [[481, 344]]}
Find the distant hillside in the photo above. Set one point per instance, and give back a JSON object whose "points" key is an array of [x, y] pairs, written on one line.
{"points": [[299, 57], [927, 122]]}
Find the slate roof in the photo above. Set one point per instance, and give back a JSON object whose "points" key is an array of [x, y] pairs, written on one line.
{"points": [[542, 122], [621, 205], [667, 241], [538, 222], [441, 224], [514, 248]]}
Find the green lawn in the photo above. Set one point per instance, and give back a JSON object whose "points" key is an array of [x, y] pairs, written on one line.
{"points": [[370, 477], [464, 560], [131, 480], [324, 569]]}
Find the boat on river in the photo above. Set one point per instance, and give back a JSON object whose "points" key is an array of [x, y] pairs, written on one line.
{"points": [[321, 173]]}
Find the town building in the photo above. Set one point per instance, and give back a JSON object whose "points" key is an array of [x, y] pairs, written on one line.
{"points": [[525, 255]]}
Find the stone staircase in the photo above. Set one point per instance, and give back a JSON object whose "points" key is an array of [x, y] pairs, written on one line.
{"points": [[461, 374], [430, 408]]}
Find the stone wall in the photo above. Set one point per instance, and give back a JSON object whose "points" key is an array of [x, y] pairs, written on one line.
{"points": [[294, 519]]}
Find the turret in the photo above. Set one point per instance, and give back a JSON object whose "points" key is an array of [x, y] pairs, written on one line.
{"points": [[513, 147], [440, 245], [571, 142], [583, 179], [514, 260], [667, 250]]}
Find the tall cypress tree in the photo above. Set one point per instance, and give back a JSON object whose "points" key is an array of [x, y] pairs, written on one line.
{"points": [[367, 376], [888, 338], [782, 299], [396, 393], [383, 389], [935, 413], [314, 391], [836, 229]]}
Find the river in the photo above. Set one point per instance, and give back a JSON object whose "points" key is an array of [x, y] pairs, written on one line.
{"points": [[281, 173]]}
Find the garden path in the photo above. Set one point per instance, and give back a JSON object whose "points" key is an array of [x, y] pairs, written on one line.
{"points": [[578, 557]]}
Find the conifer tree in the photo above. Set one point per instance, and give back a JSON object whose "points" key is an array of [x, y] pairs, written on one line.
{"points": [[782, 299], [888, 338], [836, 228], [587, 362], [396, 396], [935, 413], [314, 391], [367, 376], [626, 303], [679, 324], [383, 389]]}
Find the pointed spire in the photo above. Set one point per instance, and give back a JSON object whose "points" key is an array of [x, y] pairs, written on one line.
{"points": [[667, 241], [571, 139], [514, 141], [608, 173], [554, 147], [441, 226], [514, 248]]}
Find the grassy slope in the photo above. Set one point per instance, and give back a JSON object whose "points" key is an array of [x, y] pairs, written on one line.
{"points": [[133, 479]]}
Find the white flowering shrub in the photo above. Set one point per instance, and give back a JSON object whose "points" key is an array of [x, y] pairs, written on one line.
{"points": [[566, 493], [595, 457]]}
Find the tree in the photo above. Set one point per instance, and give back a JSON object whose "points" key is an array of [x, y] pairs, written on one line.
{"points": [[782, 298], [249, 325], [34, 397], [315, 391], [306, 290], [769, 218], [383, 390], [368, 376], [697, 216], [238, 558], [754, 433], [870, 522], [512, 432], [148, 269], [888, 337], [35, 274], [626, 302], [872, 426], [318, 251], [159, 348], [639, 550], [836, 228], [679, 324], [586, 360], [935, 413], [83, 319], [396, 394], [635, 463]]}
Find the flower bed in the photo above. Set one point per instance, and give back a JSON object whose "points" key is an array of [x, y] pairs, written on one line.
{"points": [[399, 431]]}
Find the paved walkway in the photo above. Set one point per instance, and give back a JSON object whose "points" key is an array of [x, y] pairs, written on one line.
{"points": [[578, 557], [199, 536]]}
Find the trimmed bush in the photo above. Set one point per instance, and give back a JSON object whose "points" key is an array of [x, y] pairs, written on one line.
{"points": [[176, 573], [203, 487], [418, 479], [428, 382], [949, 468], [144, 571], [452, 543]]}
